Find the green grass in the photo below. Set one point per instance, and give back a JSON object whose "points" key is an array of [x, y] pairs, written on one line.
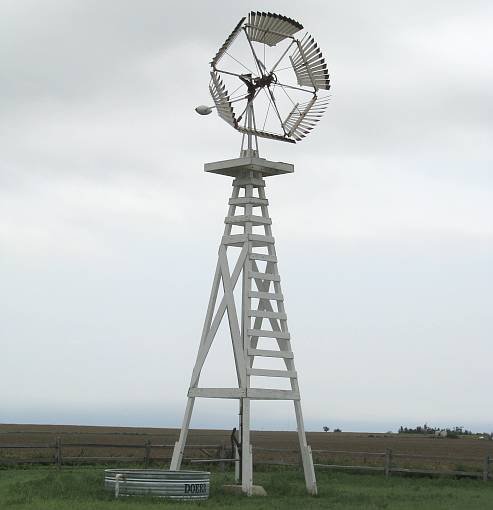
{"points": [[82, 489]]}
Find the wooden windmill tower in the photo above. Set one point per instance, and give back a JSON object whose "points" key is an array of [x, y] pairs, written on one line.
{"points": [[257, 322]]}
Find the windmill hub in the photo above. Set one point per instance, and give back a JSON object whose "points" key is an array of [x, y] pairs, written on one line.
{"points": [[258, 82]]}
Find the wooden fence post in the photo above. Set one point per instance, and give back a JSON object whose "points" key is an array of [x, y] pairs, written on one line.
{"points": [[388, 462], [147, 453], [486, 468], [58, 452], [221, 454]]}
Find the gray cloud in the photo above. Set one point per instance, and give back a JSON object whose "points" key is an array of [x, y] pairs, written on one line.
{"points": [[109, 226]]}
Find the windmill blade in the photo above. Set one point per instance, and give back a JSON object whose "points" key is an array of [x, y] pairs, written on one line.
{"points": [[221, 100], [309, 65], [265, 134], [227, 43], [269, 28], [303, 117]]}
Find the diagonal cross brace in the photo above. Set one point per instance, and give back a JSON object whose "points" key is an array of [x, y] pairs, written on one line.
{"points": [[234, 326], [211, 326]]}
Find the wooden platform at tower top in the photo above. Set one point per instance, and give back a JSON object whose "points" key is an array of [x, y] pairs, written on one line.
{"points": [[239, 166]]}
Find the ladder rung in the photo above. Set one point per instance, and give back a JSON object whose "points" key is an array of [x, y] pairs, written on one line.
{"points": [[263, 256], [240, 239], [281, 335], [247, 218], [264, 276], [267, 315], [260, 240], [255, 201], [270, 354], [264, 372], [235, 239], [277, 296], [245, 181]]}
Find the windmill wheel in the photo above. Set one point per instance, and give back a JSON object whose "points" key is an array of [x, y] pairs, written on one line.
{"points": [[266, 81]]}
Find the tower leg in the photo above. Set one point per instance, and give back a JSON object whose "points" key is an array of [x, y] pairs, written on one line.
{"points": [[246, 449], [180, 444], [306, 452], [236, 450]]}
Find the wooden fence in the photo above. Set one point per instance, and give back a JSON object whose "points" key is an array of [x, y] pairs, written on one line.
{"points": [[387, 462], [58, 453]]}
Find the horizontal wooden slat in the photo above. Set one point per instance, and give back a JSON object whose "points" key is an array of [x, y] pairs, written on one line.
{"points": [[260, 240], [103, 445], [445, 458], [103, 459], [337, 466], [268, 334], [189, 446], [241, 219], [210, 461], [245, 181], [356, 453], [263, 256], [436, 472], [270, 353], [217, 392], [240, 239], [10, 461], [264, 276], [254, 201], [264, 372], [234, 240], [270, 394], [28, 445], [267, 315], [277, 296]]}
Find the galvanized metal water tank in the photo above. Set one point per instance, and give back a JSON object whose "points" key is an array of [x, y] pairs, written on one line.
{"points": [[158, 482]]}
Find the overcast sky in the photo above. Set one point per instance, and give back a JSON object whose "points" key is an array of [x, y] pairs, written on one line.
{"points": [[109, 227]]}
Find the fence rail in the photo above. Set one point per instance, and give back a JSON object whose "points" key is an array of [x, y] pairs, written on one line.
{"points": [[61, 454]]}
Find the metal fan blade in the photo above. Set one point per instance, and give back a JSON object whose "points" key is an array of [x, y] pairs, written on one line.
{"points": [[269, 28], [265, 134], [309, 65], [303, 117], [227, 43], [221, 100]]}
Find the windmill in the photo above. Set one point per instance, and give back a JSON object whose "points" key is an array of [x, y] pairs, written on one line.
{"points": [[278, 92]]}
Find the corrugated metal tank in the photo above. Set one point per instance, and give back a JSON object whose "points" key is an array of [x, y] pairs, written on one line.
{"points": [[158, 482]]}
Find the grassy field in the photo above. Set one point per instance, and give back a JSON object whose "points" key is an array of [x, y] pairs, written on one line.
{"points": [[82, 489]]}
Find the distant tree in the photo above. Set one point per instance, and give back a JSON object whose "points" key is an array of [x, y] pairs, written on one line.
{"points": [[326, 429], [337, 430]]}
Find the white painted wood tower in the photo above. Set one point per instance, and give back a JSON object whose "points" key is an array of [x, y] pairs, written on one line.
{"points": [[260, 319], [281, 79]]}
